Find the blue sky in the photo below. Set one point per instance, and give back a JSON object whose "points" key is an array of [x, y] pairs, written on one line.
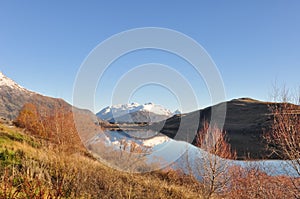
{"points": [[253, 43]]}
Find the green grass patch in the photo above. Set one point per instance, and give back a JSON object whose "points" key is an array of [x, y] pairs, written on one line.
{"points": [[8, 135], [9, 157]]}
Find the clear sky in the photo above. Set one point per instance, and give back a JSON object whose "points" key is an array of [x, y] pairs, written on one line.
{"points": [[253, 43]]}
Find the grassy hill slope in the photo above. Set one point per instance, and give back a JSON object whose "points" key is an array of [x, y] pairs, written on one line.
{"points": [[28, 169]]}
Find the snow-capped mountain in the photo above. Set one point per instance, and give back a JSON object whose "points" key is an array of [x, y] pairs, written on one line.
{"points": [[13, 97], [134, 112], [7, 82]]}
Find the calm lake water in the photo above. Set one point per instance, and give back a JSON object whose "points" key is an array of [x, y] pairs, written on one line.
{"points": [[172, 151]]}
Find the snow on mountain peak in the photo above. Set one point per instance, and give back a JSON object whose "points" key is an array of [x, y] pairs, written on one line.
{"points": [[5, 81], [120, 110]]}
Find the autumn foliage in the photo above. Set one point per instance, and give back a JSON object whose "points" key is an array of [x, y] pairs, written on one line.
{"points": [[54, 125], [250, 182], [213, 140]]}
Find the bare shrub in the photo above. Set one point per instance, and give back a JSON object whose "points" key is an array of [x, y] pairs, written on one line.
{"points": [[284, 137], [251, 182], [212, 167]]}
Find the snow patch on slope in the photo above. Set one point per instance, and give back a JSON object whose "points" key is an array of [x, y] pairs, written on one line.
{"points": [[5, 81]]}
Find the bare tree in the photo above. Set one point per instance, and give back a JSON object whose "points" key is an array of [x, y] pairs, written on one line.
{"points": [[213, 166], [284, 137]]}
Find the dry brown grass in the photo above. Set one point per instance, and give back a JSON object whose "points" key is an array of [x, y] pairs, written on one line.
{"points": [[38, 172]]}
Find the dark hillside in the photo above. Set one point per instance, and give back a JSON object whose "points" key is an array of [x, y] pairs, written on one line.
{"points": [[245, 123]]}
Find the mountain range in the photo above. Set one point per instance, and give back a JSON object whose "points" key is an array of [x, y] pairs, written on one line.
{"points": [[135, 113], [246, 119]]}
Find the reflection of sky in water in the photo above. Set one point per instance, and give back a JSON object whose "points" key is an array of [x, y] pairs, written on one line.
{"points": [[168, 152], [172, 151]]}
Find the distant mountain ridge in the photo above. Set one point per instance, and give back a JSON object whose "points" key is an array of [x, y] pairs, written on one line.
{"points": [[134, 113], [13, 97], [7, 82]]}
